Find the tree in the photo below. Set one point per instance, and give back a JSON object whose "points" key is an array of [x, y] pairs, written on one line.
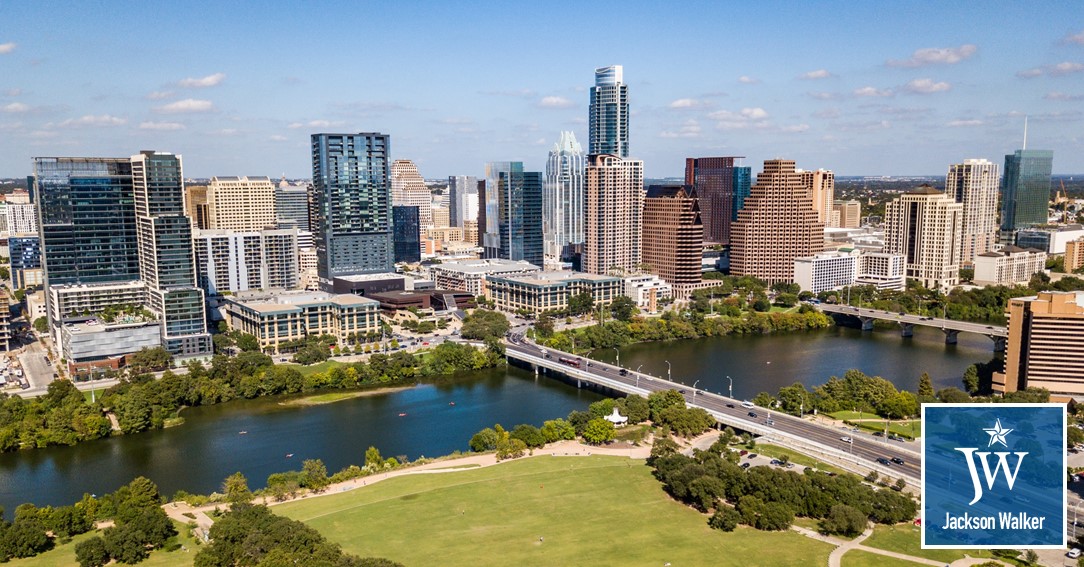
{"points": [[125, 543], [149, 360], [373, 460], [925, 386], [543, 325], [635, 408], [971, 379], [581, 303], [235, 487], [843, 520], [786, 300], [953, 396], [725, 519], [484, 324], [91, 553], [530, 435], [509, 448], [314, 475], [561, 430], [762, 305], [484, 440], [623, 308], [248, 343], [598, 431], [41, 325]]}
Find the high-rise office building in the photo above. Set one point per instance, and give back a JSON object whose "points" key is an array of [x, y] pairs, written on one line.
{"points": [[1046, 337], [608, 120], [407, 233], [1025, 189], [673, 236], [721, 187], [195, 206], [233, 261], [846, 214], [21, 218], [462, 199], [25, 261], [241, 203], [166, 259], [513, 213], [408, 188], [776, 225], [351, 205], [88, 228], [563, 194], [614, 215], [821, 185], [925, 226], [292, 206], [973, 184]]}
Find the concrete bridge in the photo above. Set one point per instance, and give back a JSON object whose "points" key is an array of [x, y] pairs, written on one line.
{"points": [[907, 323], [858, 455]]}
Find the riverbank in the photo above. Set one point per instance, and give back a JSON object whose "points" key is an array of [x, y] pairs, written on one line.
{"points": [[332, 397]]}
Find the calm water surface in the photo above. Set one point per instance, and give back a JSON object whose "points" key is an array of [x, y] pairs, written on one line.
{"points": [[198, 455]]}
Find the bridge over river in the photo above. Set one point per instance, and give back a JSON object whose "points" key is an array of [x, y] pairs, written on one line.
{"points": [[859, 455], [907, 323]]}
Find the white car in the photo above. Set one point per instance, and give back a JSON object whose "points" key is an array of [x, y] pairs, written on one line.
{"points": [[747, 404], [846, 439], [1073, 553]]}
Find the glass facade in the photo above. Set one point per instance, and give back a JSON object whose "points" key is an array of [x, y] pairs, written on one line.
{"points": [[407, 233], [743, 183], [292, 204], [352, 205], [88, 229], [563, 197], [513, 213], [608, 119], [1025, 189], [722, 188]]}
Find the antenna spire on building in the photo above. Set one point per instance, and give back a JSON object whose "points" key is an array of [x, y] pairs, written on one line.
{"points": [[1025, 132]]}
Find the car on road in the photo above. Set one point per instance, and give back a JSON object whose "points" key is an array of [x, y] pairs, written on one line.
{"points": [[681, 391], [846, 439], [624, 372], [730, 405], [777, 462], [884, 461], [743, 453], [752, 414], [745, 465], [897, 460], [747, 404], [1073, 553], [752, 456]]}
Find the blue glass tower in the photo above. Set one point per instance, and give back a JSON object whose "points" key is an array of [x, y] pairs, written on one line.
{"points": [[608, 119], [407, 233], [513, 213], [1025, 189], [743, 183]]}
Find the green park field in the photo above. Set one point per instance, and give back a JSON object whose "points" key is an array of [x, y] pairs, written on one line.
{"points": [[540, 511], [64, 555]]}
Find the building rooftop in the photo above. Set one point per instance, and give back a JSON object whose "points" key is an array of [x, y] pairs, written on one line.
{"points": [[549, 278], [371, 277], [270, 301], [492, 265]]}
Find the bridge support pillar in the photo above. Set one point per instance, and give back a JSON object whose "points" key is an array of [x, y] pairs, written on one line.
{"points": [[950, 336], [907, 329], [535, 369], [579, 383], [999, 343], [867, 323]]}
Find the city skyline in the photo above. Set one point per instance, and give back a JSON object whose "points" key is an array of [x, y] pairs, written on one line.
{"points": [[242, 90]]}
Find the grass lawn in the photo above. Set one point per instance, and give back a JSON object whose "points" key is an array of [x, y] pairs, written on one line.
{"points": [[904, 538], [860, 558], [545, 510], [314, 368], [776, 452], [97, 393], [909, 429], [848, 415], [64, 555]]}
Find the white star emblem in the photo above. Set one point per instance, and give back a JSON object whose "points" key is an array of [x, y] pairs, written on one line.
{"points": [[997, 434]]}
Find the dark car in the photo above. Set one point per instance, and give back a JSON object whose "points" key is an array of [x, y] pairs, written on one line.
{"points": [[681, 391], [624, 372], [730, 405], [752, 414], [752, 455], [897, 460], [745, 465], [884, 461]]}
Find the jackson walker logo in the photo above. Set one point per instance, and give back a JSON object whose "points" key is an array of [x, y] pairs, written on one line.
{"points": [[1013, 455]]}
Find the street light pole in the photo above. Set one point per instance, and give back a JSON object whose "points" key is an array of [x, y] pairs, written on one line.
{"points": [[668, 371], [694, 387], [618, 357], [731, 386]]}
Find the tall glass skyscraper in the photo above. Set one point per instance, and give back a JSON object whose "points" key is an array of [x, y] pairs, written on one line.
{"points": [[407, 230], [352, 205], [1025, 188], [609, 113], [462, 199], [166, 258], [88, 228], [562, 196], [513, 213]]}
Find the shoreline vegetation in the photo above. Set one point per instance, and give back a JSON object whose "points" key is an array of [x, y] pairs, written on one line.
{"points": [[332, 397]]}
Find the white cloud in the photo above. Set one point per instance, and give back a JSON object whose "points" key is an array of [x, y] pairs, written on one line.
{"points": [[6, 48], [745, 79], [228, 132], [818, 74], [202, 82], [92, 120], [824, 95], [185, 106], [1029, 73], [13, 92], [827, 113], [689, 129], [965, 123], [689, 104], [1065, 68], [555, 102], [15, 107], [795, 128], [159, 95], [872, 91], [754, 117], [161, 126], [1077, 38], [926, 86], [1063, 96], [278, 138], [936, 56]]}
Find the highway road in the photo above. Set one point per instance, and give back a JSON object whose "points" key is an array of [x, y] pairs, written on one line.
{"points": [[964, 326], [865, 449]]}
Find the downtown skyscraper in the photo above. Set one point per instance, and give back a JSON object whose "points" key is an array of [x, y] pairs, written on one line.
{"points": [[563, 196], [614, 215], [608, 119], [974, 184], [722, 188], [166, 258], [925, 227], [1025, 188], [352, 221], [462, 200], [408, 189], [513, 213]]}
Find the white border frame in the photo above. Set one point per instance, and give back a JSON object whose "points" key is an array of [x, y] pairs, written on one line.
{"points": [[1064, 482]]}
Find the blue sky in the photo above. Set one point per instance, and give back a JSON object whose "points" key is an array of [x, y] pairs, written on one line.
{"points": [[862, 88]]}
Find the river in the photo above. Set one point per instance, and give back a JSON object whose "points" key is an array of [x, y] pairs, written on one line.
{"points": [[209, 446]]}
